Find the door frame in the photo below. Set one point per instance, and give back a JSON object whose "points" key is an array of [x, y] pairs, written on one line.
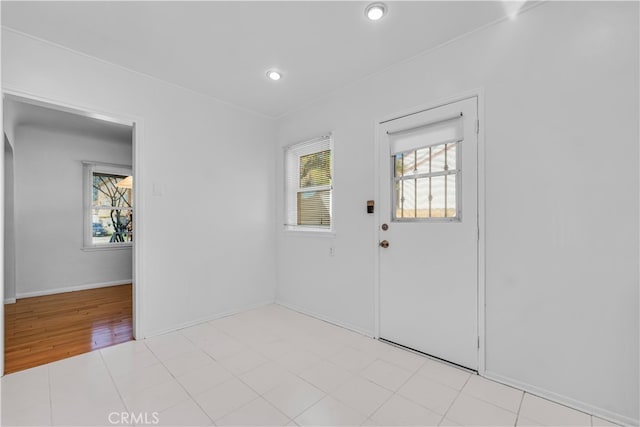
{"points": [[137, 125], [479, 95]]}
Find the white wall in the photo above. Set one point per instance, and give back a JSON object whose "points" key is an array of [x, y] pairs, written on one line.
{"points": [[49, 213], [561, 129], [9, 225], [213, 163], [9, 249]]}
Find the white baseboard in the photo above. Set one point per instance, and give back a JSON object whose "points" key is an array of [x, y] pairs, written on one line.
{"points": [[207, 318], [9, 300], [21, 295], [564, 400], [326, 319]]}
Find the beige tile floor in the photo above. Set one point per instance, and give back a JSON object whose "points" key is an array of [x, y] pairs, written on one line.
{"points": [[267, 367]]}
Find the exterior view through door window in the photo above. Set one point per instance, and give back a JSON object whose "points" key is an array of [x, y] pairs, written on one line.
{"points": [[425, 182], [111, 208]]}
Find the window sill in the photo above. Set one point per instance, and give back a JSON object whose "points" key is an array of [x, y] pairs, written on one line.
{"points": [[309, 233], [112, 247]]}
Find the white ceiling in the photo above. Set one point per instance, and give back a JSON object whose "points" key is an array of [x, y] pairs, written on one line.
{"points": [[25, 114], [224, 49]]}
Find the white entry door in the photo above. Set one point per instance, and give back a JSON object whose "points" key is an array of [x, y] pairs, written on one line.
{"points": [[429, 232]]}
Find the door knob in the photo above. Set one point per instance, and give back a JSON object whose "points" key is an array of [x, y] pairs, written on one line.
{"points": [[384, 244]]}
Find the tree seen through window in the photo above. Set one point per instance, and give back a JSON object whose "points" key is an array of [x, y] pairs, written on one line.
{"points": [[112, 209]]}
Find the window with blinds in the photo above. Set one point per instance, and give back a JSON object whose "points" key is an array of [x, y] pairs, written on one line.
{"points": [[309, 185]]}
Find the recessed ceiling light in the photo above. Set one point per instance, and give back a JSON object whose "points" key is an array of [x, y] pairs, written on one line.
{"points": [[513, 7], [274, 75], [375, 11]]}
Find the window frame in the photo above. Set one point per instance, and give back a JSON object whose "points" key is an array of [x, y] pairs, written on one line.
{"points": [[457, 172], [89, 168], [292, 155]]}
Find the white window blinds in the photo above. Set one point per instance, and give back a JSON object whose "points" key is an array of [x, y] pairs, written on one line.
{"points": [[445, 131], [309, 184]]}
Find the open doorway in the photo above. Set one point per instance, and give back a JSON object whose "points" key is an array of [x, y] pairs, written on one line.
{"points": [[69, 231]]}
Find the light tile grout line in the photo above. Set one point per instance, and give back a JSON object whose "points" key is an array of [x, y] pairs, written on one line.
{"points": [[297, 375], [258, 398], [416, 372], [218, 363], [50, 395], [442, 362], [113, 381], [519, 407], [324, 393], [364, 378], [178, 382], [321, 359], [395, 392], [444, 416], [482, 398], [238, 377], [259, 395], [358, 375]]}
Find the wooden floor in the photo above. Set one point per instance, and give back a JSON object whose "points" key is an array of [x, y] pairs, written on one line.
{"points": [[44, 329]]}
